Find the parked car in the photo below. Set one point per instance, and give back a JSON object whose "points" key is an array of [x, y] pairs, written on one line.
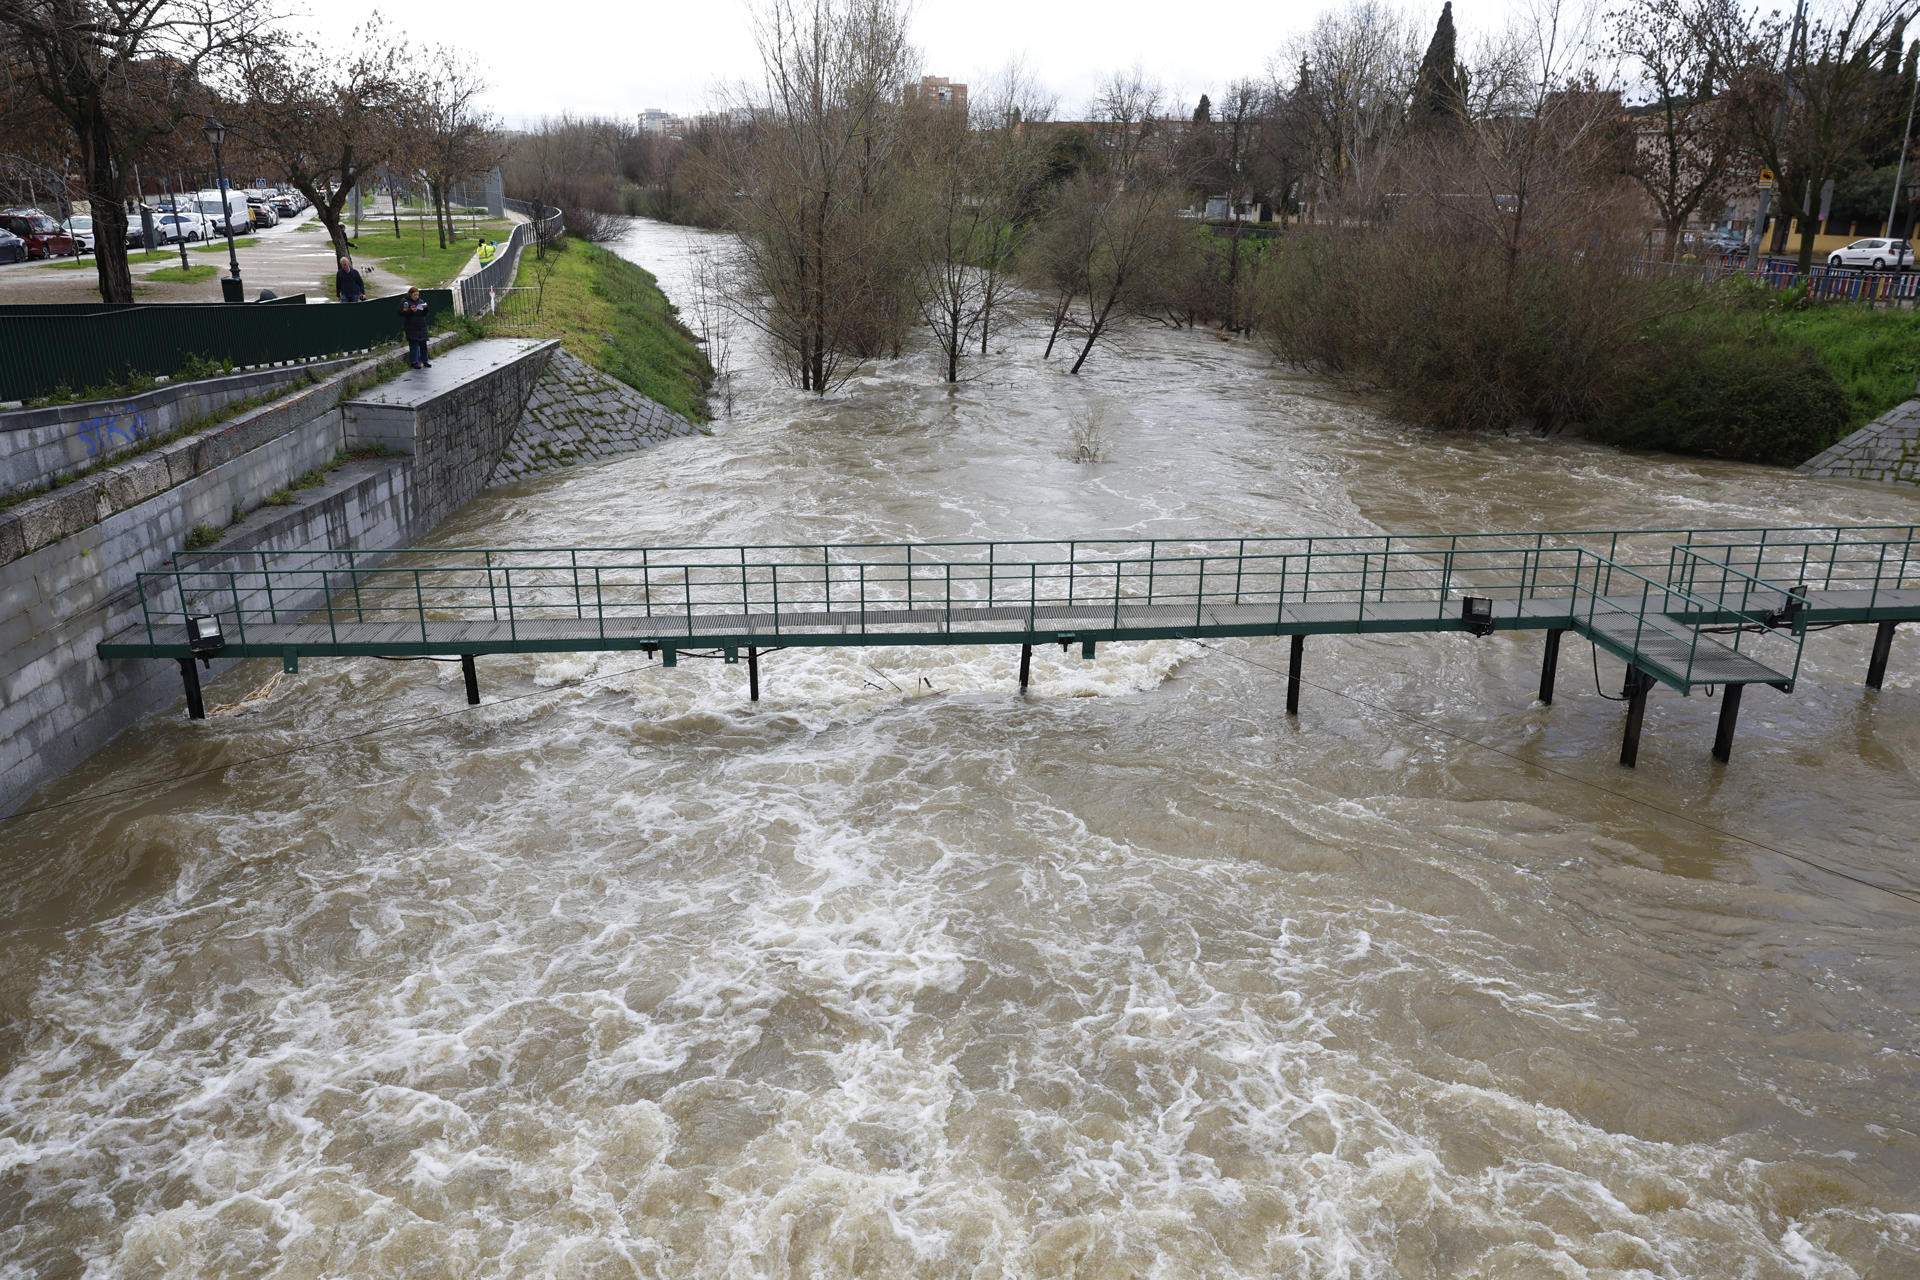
{"points": [[43, 235], [12, 247], [261, 214], [1875, 255], [80, 227], [284, 206], [1725, 243], [170, 228]]}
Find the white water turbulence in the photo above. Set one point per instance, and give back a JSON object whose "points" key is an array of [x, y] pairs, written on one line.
{"points": [[897, 973]]}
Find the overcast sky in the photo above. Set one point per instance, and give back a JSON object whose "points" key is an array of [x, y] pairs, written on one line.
{"points": [[619, 56]]}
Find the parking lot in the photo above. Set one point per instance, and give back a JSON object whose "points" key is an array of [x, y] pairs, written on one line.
{"points": [[294, 257]]}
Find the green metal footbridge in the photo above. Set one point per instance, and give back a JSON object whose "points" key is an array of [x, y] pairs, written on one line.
{"points": [[1687, 608]]}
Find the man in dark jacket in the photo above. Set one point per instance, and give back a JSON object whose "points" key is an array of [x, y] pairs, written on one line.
{"points": [[347, 284], [413, 319]]}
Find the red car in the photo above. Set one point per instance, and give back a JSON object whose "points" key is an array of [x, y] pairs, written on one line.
{"points": [[42, 234]]}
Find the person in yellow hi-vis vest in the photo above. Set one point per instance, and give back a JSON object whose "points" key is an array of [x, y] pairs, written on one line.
{"points": [[487, 250]]}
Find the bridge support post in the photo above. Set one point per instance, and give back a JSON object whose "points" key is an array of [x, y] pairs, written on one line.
{"points": [[753, 674], [473, 679], [1638, 683], [1729, 715], [190, 676], [1026, 665], [1550, 664], [1882, 650], [1296, 651]]}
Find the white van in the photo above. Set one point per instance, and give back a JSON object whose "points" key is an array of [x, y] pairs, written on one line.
{"points": [[218, 207]]}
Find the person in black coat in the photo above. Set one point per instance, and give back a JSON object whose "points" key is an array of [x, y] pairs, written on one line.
{"points": [[413, 319], [347, 284]]}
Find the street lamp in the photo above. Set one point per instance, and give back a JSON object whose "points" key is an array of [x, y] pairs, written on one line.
{"points": [[231, 290]]}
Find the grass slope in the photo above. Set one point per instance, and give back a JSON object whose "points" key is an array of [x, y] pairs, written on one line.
{"points": [[611, 314], [1874, 354]]}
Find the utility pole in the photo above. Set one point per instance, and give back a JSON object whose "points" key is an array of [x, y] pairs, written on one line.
{"points": [[1899, 169]]}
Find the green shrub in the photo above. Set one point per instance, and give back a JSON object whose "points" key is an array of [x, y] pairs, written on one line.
{"points": [[1728, 384], [202, 536]]}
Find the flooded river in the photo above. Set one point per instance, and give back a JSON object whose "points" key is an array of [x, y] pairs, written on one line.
{"points": [[899, 974]]}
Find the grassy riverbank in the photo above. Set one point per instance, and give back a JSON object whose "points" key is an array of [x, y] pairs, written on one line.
{"points": [[1758, 380], [1563, 343], [611, 314]]}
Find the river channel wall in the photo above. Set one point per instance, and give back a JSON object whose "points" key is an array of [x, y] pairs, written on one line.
{"points": [[69, 559], [1887, 449], [578, 414], [40, 448]]}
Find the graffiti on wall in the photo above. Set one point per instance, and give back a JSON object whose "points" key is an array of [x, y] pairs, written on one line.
{"points": [[120, 426]]}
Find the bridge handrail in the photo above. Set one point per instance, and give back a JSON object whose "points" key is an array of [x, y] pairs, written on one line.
{"points": [[1648, 586], [1359, 576], [1907, 566], [1527, 535], [1264, 572]]}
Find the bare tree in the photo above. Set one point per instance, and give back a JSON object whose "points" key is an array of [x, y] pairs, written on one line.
{"points": [[812, 177], [457, 136], [120, 74], [1013, 166], [1684, 141], [1112, 228], [950, 224], [330, 118], [1802, 96], [572, 163], [1357, 68]]}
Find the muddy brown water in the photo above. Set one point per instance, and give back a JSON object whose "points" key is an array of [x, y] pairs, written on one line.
{"points": [[899, 974]]}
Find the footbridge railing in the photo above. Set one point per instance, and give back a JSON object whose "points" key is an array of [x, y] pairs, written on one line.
{"points": [[1682, 607]]}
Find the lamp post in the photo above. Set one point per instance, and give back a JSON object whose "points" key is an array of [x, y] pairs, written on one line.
{"points": [[231, 290]]}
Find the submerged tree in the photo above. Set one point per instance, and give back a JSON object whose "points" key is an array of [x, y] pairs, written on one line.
{"points": [[813, 179]]}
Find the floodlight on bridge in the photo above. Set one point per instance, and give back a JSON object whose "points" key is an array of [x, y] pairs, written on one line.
{"points": [[1476, 614], [204, 636]]}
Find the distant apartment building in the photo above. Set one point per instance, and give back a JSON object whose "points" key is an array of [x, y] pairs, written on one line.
{"points": [[940, 92], [654, 120]]}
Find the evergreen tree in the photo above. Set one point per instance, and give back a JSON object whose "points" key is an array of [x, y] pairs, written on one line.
{"points": [[1204, 112], [1439, 91]]}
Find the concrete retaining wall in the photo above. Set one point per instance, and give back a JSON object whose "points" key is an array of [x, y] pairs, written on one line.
{"points": [[577, 414], [58, 702], [68, 576], [39, 446], [455, 435], [1888, 448]]}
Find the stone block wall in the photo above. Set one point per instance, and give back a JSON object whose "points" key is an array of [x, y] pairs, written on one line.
{"points": [[70, 560], [59, 702], [455, 436], [1887, 449], [40, 446], [577, 414]]}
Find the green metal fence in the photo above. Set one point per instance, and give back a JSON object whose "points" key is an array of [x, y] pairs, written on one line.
{"points": [[42, 352]]}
